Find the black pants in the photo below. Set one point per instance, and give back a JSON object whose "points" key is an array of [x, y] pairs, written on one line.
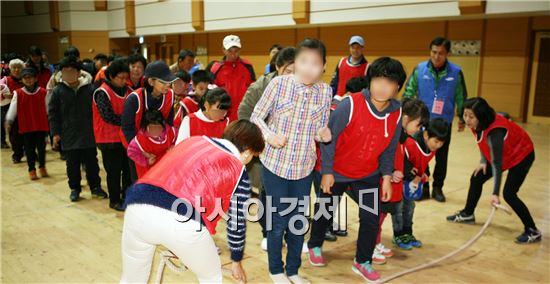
{"points": [[16, 141], [35, 142], [133, 171], [516, 176], [368, 221], [4, 112], [115, 162], [440, 171], [88, 157]]}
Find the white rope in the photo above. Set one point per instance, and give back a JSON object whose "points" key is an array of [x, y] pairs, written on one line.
{"points": [[453, 253], [166, 258]]}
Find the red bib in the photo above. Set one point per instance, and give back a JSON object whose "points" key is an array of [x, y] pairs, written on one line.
{"points": [[189, 105], [364, 139], [398, 165], [155, 147], [31, 110], [517, 144], [200, 171], [418, 158], [199, 127], [105, 132], [346, 72]]}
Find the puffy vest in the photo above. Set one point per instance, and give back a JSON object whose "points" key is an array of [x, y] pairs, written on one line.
{"points": [[430, 90]]}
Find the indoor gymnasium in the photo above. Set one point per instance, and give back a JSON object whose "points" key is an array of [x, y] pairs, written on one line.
{"points": [[278, 141]]}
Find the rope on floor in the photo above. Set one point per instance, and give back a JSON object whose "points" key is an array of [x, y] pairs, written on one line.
{"points": [[453, 253], [167, 259]]}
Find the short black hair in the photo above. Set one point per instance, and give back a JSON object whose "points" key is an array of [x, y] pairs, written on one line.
{"points": [[215, 95], [184, 76], [356, 84], [101, 57], [152, 116], [35, 50], [277, 46], [438, 128], [136, 57], [484, 113], [313, 43], [70, 62], [438, 41], [184, 53], [389, 68], [116, 67], [72, 51], [285, 56], [201, 76], [415, 108]]}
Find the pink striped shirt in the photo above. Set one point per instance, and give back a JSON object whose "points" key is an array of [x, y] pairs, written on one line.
{"points": [[298, 112]]}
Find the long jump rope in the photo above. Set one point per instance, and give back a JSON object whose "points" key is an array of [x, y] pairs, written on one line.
{"points": [[167, 258]]}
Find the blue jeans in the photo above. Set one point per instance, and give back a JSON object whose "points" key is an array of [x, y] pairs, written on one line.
{"points": [[276, 188], [402, 219]]}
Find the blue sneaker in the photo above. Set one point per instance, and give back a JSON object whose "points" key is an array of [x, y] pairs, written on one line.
{"points": [[413, 241], [402, 243]]}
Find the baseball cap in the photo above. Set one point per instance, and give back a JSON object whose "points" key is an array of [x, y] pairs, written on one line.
{"points": [[357, 39], [231, 41], [28, 71], [159, 70]]}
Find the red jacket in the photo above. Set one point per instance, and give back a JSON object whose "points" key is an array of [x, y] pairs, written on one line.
{"points": [[235, 78]]}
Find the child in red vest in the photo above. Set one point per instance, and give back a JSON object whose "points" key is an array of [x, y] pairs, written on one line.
{"points": [[153, 140], [365, 128], [418, 153], [29, 107], [504, 146], [415, 115], [211, 120], [201, 82]]}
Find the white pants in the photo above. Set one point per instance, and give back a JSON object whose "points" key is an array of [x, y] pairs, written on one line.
{"points": [[147, 226]]}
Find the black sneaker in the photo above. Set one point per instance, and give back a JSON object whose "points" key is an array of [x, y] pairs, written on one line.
{"points": [[529, 236], [117, 206], [100, 193], [425, 192], [329, 236], [341, 233], [437, 194], [461, 217], [75, 195]]}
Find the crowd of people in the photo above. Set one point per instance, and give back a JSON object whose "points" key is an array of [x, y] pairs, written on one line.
{"points": [[176, 139]]}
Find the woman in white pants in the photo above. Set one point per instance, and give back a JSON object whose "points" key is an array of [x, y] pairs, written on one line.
{"points": [[178, 202]]}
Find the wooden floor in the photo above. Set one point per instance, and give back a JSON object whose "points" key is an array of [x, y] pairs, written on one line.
{"points": [[46, 238]]}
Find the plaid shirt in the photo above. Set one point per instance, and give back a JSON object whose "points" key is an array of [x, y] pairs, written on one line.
{"points": [[298, 112]]}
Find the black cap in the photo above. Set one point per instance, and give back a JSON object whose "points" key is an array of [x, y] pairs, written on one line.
{"points": [[28, 71], [159, 70]]}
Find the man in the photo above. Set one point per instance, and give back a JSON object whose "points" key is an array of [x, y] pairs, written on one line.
{"points": [[354, 65], [440, 85], [233, 73], [186, 62]]}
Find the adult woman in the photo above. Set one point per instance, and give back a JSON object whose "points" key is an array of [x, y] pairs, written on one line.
{"points": [[181, 195]]}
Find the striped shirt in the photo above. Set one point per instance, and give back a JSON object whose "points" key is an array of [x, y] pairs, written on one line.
{"points": [[297, 112]]}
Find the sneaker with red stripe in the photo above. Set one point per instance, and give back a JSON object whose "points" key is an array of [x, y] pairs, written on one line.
{"points": [[365, 270]]}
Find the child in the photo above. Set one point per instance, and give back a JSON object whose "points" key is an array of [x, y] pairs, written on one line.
{"points": [[29, 107], [181, 86], [153, 140], [503, 146], [292, 114], [415, 114], [418, 153], [211, 120], [365, 128], [201, 81]]}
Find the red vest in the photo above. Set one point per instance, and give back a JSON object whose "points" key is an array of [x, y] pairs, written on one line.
{"points": [[131, 85], [165, 108], [12, 84], [346, 72], [189, 105], [398, 165], [43, 77], [105, 132], [418, 158], [235, 78], [517, 144], [155, 147], [199, 127], [364, 139], [200, 171], [31, 110]]}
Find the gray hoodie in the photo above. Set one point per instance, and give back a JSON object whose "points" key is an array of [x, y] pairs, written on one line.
{"points": [[339, 120]]}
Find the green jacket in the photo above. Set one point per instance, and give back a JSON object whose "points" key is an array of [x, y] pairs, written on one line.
{"points": [[411, 89], [253, 95]]}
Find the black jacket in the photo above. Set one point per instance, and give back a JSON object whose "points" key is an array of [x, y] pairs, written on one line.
{"points": [[70, 115]]}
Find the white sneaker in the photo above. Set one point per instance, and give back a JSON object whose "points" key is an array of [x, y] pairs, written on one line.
{"points": [[279, 278], [296, 279], [378, 258], [305, 249], [263, 244], [384, 250]]}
